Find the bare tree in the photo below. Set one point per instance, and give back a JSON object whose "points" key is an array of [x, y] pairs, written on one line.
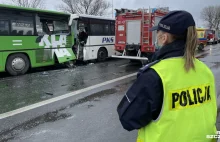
{"points": [[29, 3], [208, 15], [91, 7], [217, 17], [211, 15]]}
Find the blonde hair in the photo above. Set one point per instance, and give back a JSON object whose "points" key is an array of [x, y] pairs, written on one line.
{"points": [[191, 44], [190, 49]]}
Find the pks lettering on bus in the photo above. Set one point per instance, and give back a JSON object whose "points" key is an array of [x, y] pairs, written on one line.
{"points": [[107, 40]]}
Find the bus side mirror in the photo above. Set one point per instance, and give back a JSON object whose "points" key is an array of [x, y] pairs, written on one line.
{"points": [[38, 39]]}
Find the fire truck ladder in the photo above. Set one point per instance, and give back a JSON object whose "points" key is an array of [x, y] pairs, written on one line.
{"points": [[146, 24]]}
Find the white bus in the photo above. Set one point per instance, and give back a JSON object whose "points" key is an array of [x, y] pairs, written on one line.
{"points": [[101, 36]]}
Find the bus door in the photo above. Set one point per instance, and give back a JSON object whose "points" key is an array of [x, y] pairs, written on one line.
{"points": [[82, 38]]}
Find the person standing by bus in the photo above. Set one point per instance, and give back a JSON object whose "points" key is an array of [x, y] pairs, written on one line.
{"points": [[82, 40], [173, 98], [83, 35]]}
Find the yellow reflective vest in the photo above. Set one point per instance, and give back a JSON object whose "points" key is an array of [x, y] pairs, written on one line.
{"points": [[189, 108]]}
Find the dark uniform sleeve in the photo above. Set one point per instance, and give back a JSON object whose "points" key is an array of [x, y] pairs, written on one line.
{"points": [[142, 102]]}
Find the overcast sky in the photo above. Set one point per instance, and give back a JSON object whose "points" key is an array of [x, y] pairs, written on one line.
{"points": [[193, 6]]}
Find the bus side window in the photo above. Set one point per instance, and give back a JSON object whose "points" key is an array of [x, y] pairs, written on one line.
{"points": [[96, 27], [4, 24], [50, 27], [39, 26], [45, 28], [4, 27], [106, 27], [22, 25], [113, 28]]}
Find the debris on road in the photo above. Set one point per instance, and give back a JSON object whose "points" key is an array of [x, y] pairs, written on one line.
{"points": [[51, 94], [45, 73]]}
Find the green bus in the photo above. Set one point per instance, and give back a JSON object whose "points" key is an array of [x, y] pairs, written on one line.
{"points": [[31, 38]]}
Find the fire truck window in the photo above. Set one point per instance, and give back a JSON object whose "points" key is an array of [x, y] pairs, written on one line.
{"points": [[121, 27]]}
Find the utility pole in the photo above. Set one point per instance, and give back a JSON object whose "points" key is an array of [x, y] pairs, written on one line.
{"points": [[112, 9]]}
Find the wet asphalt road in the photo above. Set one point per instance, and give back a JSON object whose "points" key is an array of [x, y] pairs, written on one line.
{"points": [[89, 118], [17, 92], [94, 119]]}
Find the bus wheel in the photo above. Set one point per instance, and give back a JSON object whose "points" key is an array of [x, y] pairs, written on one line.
{"points": [[17, 64], [102, 54]]}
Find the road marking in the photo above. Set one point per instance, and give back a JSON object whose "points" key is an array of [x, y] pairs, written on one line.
{"points": [[36, 105]]}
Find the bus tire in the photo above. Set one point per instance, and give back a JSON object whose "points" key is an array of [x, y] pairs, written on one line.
{"points": [[102, 54], [17, 64]]}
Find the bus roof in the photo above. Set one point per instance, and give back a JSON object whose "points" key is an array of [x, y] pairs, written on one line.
{"points": [[75, 16], [3, 6]]}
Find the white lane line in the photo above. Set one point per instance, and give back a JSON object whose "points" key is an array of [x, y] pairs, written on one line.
{"points": [[36, 105]]}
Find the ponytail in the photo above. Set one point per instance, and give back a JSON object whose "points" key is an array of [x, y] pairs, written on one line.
{"points": [[191, 44]]}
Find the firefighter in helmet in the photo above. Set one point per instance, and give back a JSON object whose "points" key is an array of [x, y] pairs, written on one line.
{"points": [[173, 99]]}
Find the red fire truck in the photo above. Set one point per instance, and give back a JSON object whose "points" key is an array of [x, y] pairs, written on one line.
{"points": [[212, 36], [132, 34]]}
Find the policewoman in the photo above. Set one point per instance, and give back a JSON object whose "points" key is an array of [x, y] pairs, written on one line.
{"points": [[173, 99]]}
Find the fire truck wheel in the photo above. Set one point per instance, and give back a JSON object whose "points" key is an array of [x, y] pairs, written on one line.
{"points": [[102, 54]]}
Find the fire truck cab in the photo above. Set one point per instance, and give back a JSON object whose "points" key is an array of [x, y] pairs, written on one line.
{"points": [[212, 36], [133, 37]]}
